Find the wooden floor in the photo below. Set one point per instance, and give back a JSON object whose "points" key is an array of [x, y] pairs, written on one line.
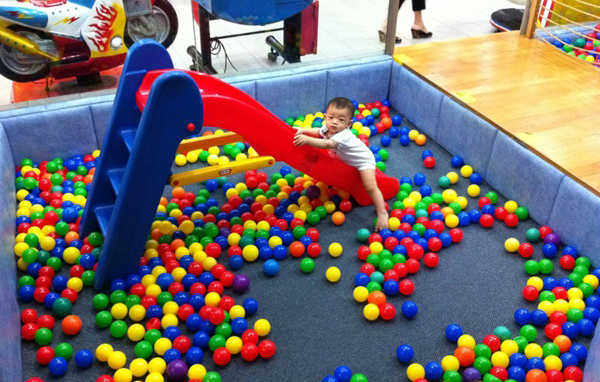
{"points": [[528, 89]]}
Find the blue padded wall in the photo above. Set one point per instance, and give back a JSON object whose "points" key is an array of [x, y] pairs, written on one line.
{"points": [[65, 132], [373, 82], [591, 371], [248, 87], [416, 100], [100, 117], [465, 134], [521, 175], [11, 328], [576, 218]]}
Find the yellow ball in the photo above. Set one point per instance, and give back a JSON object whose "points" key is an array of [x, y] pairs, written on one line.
{"points": [[453, 177], [574, 293], [137, 313], [473, 190], [208, 263], [96, 153], [212, 299], [409, 202], [214, 150], [152, 289], [561, 305], [70, 255], [449, 196], [361, 294], [533, 350], [223, 160], [117, 360], [335, 249], [169, 320], [197, 372], [103, 352], [237, 311], [415, 371], [123, 375], [178, 274], [157, 365], [451, 221], [509, 347], [136, 332], [162, 345], [333, 274], [213, 160], [375, 247], [450, 362], [466, 341], [553, 362], [500, 358], [416, 196], [592, 280], [180, 160], [577, 303], [394, 223], [119, 311], [413, 134], [234, 344], [250, 253], [75, 283], [47, 243], [20, 248], [192, 156], [371, 312], [466, 171], [512, 244], [462, 202], [547, 307], [511, 206], [138, 367], [536, 282], [262, 327], [170, 307]]}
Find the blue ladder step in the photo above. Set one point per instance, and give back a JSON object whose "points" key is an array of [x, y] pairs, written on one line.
{"points": [[116, 176], [103, 215], [128, 138]]}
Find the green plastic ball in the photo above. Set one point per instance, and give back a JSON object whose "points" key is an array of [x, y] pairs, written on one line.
{"points": [[381, 166], [483, 364], [363, 235], [212, 376], [118, 296], [62, 307], [533, 235], [43, 336], [547, 296], [359, 378], [103, 319], [132, 300], [224, 330], [54, 263], [502, 332], [30, 255], [216, 341], [532, 267], [583, 262], [383, 153], [444, 182], [546, 266], [26, 280], [163, 298], [574, 315], [529, 332], [492, 196], [482, 350], [521, 343], [307, 265], [143, 349], [64, 350], [522, 213], [452, 376], [152, 336], [551, 349], [374, 286], [100, 301], [118, 329]]}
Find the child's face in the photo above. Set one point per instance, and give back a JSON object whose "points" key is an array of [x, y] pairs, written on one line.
{"points": [[337, 120]]}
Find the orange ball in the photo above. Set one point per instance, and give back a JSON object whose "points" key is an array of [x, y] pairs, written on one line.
{"points": [[296, 249], [155, 234], [338, 218], [71, 325], [563, 342], [88, 179], [178, 192], [164, 201], [421, 139], [377, 298], [177, 243], [70, 236], [536, 375], [465, 356], [387, 122]]}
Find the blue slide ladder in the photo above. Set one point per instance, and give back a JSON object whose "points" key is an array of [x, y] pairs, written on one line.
{"points": [[136, 158]]}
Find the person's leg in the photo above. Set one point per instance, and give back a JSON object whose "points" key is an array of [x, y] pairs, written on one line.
{"points": [[383, 28], [370, 183], [418, 7]]}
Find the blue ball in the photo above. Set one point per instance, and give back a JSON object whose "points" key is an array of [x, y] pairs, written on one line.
{"points": [[58, 366], [591, 313], [404, 131], [404, 140], [456, 161], [26, 293], [566, 283], [50, 298], [580, 351], [518, 359], [550, 283], [405, 353], [330, 378], [570, 329], [464, 219], [375, 149], [171, 355], [361, 279], [194, 356], [201, 339], [343, 373], [453, 332], [197, 301], [250, 305], [549, 250], [409, 309], [156, 311], [164, 280], [239, 325], [517, 373], [426, 190], [433, 371], [536, 363], [119, 284], [280, 252], [569, 359], [539, 317], [586, 327], [420, 179], [476, 178], [396, 120], [265, 253], [212, 185], [522, 316], [271, 267], [593, 302], [405, 179], [390, 287], [84, 358], [570, 250], [426, 153], [386, 140], [488, 209], [193, 322], [394, 132], [172, 332]]}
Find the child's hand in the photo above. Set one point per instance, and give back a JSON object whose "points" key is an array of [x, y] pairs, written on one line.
{"points": [[301, 139], [299, 131], [382, 221]]}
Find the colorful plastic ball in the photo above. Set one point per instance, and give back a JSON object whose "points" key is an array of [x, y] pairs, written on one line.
{"points": [[338, 218], [453, 332], [58, 366], [465, 356], [177, 369], [371, 312], [342, 373], [44, 355], [429, 162], [433, 371], [43, 336], [456, 161], [62, 307], [307, 265], [409, 309], [333, 274], [84, 358], [241, 283], [335, 249], [471, 374], [103, 352], [415, 371], [466, 341], [271, 267], [511, 244], [522, 316], [71, 325], [405, 353], [117, 360]]}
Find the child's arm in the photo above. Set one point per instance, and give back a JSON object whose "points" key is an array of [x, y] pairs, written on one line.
{"points": [[301, 140], [309, 132]]}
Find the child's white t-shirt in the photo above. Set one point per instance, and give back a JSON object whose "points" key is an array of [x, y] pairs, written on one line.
{"points": [[350, 149]]}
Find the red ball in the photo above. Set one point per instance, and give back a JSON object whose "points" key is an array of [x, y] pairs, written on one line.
{"points": [[227, 278], [431, 260], [415, 252], [391, 274], [573, 373], [511, 220], [555, 376], [267, 349], [76, 271], [226, 303], [387, 311], [499, 372], [406, 242], [185, 311], [390, 243], [558, 318], [217, 317], [429, 162], [412, 265], [28, 331], [213, 250], [530, 293], [486, 220], [375, 237], [198, 288], [215, 286], [250, 337], [406, 287], [552, 331], [44, 355], [345, 205], [69, 294], [367, 268], [249, 351], [153, 323], [545, 230], [560, 293], [29, 316], [567, 262], [182, 343], [313, 233], [46, 321], [400, 268], [34, 379], [526, 250], [484, 201], [217, 270], [493, 342], [71, 325], [456, 234], [45, 271], [314, 249], [434, 243], [40, 294], [363, 252], [105, 378]]}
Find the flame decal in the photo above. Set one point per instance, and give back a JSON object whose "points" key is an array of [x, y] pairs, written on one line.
{"points": [[103, 29]]}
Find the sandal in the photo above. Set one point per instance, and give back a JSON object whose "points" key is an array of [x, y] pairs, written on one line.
{"points": [[417, 33], [382, 37]]}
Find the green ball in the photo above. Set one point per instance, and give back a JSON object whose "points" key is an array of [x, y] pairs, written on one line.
{"points": [[32, 240], [359, 378], [522, 213], [30, 255], [289, 121], [307, 265], [492, 196], [574, 315], [118, 296], [322, 211], [216, 341], [96, 239], [420, 229], [444, 182], [546, 266], [529, 332], [400, 196], [521, 343], [152, 336], [455, 207], [43, 257], [547, 296], [224, 330], [100, 301], [56, 179], [103, 319], [584, 262], [580, 42], [491, 378], [437, 198], [484, 365], [482, 350], [374, 286], [52, 167], [373, 259], [64, 350], [26, 280], [385, 254], [143, 349], [27, 162], [406, 187], [576, 278], [313, 218], [62, 228], [398, 205], [54, 263], [88, 277], [380, 166], [298, 232], [363, 235], [212, 376], [43, 336], [502, 332], [62, 307], [587, 289], [551, 349], [118, 329], [568, 48], [132, 300], [532, 267], [377, 277], [452, 376], [383, 153], [163, 298], [533, 235], [385, 265], [398, 258]]}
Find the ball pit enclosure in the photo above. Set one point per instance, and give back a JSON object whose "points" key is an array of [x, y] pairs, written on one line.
{"points": [[73, 127]]}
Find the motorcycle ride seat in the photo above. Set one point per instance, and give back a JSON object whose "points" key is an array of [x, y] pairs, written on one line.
{"points": [[47, 3]]}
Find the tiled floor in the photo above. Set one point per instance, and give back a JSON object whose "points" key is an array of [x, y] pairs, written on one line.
{"points": [[347, 28]]}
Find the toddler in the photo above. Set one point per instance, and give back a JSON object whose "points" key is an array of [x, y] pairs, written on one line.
{"points": [[335, 134]]}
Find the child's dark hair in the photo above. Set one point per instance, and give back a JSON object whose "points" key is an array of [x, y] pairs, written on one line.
{"points": [[342, 103]]}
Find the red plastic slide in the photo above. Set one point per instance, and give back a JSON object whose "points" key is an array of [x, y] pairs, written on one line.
{"points": [[229, 108]]}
